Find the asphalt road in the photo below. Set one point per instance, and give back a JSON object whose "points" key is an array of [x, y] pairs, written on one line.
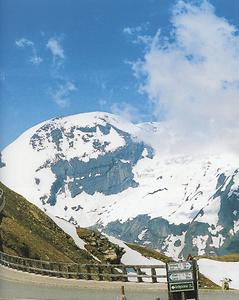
{"points": [[16, 290], [19, 285]]}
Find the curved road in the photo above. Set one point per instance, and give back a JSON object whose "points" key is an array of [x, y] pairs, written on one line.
{"points": [[16, 285], [20, 285]]}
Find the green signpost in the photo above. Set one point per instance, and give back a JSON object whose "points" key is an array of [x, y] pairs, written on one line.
{"points": [[181, 287], [182, 280]]}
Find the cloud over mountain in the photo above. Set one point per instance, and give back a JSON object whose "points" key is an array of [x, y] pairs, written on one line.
{"points": [[192, 77]]}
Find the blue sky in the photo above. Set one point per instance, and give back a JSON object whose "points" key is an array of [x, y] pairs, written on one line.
{"points": [[65, 57]]}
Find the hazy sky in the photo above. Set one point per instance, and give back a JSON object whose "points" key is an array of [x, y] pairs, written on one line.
{"points": [[171, 61]]}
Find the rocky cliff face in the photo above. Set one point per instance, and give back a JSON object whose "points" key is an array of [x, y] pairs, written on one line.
{"points": [[93, 170], [90, 158], [108, 174]]}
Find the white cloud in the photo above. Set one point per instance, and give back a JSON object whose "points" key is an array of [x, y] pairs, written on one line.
{"points": [[137, 34], [132, 30], [126, 111], [192, 76], [61, 96], [143, 39], [34, 59], [55, 47], [23, 42]]}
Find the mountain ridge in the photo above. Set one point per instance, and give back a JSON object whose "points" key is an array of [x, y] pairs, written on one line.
{"points": [[95, 170]]}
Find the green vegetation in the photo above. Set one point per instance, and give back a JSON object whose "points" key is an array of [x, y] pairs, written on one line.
{"points": [[233, 257], [27, 231], [206, 283]]}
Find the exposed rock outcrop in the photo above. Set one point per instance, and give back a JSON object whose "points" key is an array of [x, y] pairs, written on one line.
{"points": [[99, 246]]}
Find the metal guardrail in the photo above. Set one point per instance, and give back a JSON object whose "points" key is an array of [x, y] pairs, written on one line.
{"points": [[107, 272]]}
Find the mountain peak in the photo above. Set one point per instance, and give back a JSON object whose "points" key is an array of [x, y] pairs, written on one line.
{"points": [[93, 169]]}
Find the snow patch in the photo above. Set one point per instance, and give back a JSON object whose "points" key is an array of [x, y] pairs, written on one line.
{"points": [[200, 242], [132, 257], [217, 271], [141, 235], [217, 241], [173, 245], [69, 229]]}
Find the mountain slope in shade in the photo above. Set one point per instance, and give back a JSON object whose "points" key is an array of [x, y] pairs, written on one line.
{"points": [[96, 170]]}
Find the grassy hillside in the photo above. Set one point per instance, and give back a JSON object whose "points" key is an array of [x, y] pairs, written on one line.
{"points": [[26, 231], [233, 257]]}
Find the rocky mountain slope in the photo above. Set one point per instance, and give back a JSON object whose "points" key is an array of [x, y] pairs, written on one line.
{"points": [[99, 246], [96, 170], [26, 231]]}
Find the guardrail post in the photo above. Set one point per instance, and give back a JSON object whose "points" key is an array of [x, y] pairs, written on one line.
{"points": [[67, 272], [27, 266], [30, 265], [153, 273], [50, 268], [78, 272], [125, 278], [23, 265], [100, 272], [41, 267], [88, 271], [139, 273], [112, 278], [58, 267]]}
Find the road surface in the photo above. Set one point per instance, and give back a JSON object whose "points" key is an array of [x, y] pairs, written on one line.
{"points": [[17, 285]]}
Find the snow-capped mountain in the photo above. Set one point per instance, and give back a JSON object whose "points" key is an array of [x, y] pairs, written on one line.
{"points": [[96, 170]]}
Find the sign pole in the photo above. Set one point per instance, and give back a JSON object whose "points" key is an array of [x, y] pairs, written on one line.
{"points": [[169, 294]]}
